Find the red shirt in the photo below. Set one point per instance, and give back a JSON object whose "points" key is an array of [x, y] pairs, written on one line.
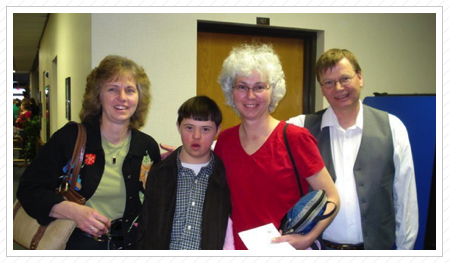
{"points": [[263, 185], [23, 117]]}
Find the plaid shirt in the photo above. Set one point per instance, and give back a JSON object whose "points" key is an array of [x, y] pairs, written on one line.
{"points": [[186, 232]]}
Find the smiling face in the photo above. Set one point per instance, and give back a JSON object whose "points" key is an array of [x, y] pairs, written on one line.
{"points": [[197, 138], [342, 97], [249, 104], [119, 99]]}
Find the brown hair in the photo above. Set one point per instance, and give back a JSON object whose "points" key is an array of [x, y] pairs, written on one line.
{"points": [[200, 108], [26, 104], [331, 57], [111, 68]]}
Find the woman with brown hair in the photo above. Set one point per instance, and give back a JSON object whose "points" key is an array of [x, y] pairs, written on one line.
{"points": [[116, 161]]}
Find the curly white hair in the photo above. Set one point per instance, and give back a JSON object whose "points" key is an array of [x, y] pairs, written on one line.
{"points": [[243, 61]]}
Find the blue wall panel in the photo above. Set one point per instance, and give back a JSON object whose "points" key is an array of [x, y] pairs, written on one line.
{"points": [[418, 113]]}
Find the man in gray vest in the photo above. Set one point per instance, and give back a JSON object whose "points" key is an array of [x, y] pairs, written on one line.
{"points": [[367, 153]]}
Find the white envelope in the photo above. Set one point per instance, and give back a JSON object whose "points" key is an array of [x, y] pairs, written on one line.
{"points": [[259, 238]]}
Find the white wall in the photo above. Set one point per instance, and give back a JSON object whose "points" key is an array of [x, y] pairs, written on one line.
{"points": [[165, 45], [396, 52], [67, 37]]}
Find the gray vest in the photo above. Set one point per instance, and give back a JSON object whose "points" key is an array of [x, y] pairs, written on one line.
{"points": [[374, 174]]}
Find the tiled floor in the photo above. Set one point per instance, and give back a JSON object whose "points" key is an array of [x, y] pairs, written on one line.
{"points": [[17, 171]]}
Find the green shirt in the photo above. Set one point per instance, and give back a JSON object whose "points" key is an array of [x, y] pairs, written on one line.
{"points": [[110, 197]]}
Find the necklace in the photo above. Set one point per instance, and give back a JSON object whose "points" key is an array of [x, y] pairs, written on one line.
{"points": [[114, 152], [114, 156]]}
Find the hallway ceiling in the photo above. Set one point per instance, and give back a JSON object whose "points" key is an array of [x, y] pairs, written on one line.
{"points": [[27, 32]]}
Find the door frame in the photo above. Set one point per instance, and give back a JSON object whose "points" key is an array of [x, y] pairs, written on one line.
{"points": [[310, 49]]}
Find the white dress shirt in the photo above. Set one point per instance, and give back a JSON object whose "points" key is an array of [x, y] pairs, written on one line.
{"points": [[347, 226]]}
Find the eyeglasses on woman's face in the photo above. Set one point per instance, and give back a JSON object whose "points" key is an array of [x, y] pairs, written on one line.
{"points": [[258, 89]]}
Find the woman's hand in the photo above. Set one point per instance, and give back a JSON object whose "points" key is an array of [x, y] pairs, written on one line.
{"points": [[168, 148], [296, 240], [86, 218], [90, 221]]}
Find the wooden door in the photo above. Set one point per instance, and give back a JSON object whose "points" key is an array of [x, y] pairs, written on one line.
{"points": [[213, 48]]}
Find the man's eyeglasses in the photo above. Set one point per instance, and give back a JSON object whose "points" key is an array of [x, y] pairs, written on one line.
{"points": [[256, 89], [330, 84]]}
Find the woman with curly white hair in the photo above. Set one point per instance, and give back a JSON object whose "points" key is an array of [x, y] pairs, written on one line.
{"points": [[244, 61], [259, 172]]}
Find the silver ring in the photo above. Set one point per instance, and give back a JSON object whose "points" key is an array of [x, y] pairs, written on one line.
{"points": [[93, 228]]}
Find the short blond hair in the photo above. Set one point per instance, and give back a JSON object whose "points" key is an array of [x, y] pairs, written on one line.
{"points": [[331, 57]]}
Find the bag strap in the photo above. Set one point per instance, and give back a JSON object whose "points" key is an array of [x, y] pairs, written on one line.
{"points": [[78, 153], [291, 159], [324, 216], [77, 158], [317, 218]]}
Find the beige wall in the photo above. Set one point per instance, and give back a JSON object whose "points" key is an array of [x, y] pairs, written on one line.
{"points": [[395, 51], [67, 38]]}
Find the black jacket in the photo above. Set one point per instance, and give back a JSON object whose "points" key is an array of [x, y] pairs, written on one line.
{"points": [[37, 185], [158, 210]]}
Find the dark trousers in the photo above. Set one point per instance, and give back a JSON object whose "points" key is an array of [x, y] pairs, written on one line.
{"points": [[79, 241]]}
